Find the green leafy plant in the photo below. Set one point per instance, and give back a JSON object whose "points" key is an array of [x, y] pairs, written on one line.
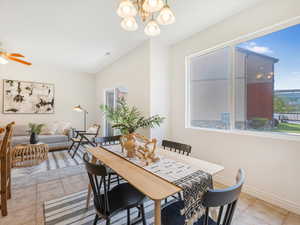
{"points": [[35, 128], [128, 119]]}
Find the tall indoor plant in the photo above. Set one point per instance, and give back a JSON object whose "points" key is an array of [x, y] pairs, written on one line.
{"points": [[128, 119]]}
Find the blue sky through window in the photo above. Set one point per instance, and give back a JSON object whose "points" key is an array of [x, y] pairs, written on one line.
{"points": [[285, 46]]}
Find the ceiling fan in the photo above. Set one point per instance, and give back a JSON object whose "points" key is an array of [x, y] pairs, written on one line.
{"points": [[5, 56]]}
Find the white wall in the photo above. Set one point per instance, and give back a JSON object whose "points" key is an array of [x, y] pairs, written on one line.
{"points": [[131, 71], [272, 164], [145, 72], [70, 89], [160, 88]]}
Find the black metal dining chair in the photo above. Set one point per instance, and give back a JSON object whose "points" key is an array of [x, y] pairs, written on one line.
{"points": [[224, 199], [84, 137], [177, 147], [181, 149], [108, 203], [107, 141]]}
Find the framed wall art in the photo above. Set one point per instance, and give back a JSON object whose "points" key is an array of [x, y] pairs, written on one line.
{"points": [[25, 97]]}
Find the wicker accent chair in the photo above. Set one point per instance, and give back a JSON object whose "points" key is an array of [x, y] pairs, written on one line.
{"points": [[5, 161]]}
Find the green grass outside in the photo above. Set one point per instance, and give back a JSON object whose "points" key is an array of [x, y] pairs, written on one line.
{"points": [[287, 128]]}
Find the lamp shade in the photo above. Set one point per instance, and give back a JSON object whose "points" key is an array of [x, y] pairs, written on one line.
{"points": [[166, 16], [129, 24], [152, 28], [78, 108], [126, 9], [153, 5]]}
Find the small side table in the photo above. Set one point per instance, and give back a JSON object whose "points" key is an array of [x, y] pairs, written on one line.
{"points": [[25, 155]]}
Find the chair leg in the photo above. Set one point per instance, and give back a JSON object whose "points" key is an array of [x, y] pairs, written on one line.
{"points": [[76, 149], [179, 196], [109, 181], [70, 148], [108, 221], [128, 216], [143, 214], [96, 219], [4, 203]]}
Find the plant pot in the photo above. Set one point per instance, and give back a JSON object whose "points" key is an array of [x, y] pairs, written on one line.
{"points": [[33, 138]]}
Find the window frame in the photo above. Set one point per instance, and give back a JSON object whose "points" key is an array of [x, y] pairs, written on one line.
{"points": [[231, 45]]}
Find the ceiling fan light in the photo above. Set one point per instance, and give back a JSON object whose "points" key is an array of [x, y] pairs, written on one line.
{"points": [[3, 60], [166, 16], [152, 28], [126, 9], [129, 24], [153, 5]]}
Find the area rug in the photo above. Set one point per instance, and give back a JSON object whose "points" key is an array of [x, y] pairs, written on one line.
{"points": [[56, 160], [71, 209]]}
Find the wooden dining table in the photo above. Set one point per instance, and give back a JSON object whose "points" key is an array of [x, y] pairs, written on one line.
{"points": [[151, 185]]}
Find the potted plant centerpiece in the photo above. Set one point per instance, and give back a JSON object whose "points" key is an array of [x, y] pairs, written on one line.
{"points": [[35, 130], [128, 120]]}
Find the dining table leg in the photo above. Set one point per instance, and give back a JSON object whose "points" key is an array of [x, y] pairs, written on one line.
{"points": [[88, 198], [157, 215]]}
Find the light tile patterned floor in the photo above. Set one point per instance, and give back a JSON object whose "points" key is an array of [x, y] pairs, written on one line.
{"points": [[26, 206]]}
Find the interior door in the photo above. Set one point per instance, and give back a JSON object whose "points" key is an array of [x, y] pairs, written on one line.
{"points": [[109, 101]]}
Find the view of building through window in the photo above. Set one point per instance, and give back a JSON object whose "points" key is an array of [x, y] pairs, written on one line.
{"points": [[266, 85], [269, 66]]}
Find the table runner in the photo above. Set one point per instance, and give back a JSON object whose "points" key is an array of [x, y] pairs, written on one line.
{"points": [[192, 181]]}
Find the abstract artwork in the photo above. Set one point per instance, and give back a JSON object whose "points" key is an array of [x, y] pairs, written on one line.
{"points": [[27, 97]]}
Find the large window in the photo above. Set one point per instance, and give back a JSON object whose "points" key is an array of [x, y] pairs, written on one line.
{"points": [[209, 89], [254, 85]]}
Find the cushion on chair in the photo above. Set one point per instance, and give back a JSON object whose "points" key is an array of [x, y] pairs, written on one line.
{"points": [[21, 130], [16, 140], [75, 139], [121, 197], [170, 215], [201, 221]]}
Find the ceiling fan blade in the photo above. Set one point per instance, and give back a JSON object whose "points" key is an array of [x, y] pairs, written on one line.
{"points": [[19, 60], [15, 54]]}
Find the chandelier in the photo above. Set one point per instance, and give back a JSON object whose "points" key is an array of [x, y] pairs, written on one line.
{"points": [[151, 12]]}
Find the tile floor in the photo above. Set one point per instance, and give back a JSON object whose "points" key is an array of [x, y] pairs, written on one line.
{"points": [[26, 205]]}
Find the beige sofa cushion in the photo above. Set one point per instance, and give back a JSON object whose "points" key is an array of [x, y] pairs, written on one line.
{"points": [[21, 130]]}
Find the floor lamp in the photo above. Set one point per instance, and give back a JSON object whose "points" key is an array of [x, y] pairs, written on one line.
{"points": [[78, 108]]}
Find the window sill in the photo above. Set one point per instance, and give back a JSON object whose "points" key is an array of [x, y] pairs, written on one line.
{"points": [[261, 134]]}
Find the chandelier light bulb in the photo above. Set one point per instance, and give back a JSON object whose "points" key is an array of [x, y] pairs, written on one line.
{"points": [[166, 16], [153, 5], [152, 28], [126, 9], [129, 24]]}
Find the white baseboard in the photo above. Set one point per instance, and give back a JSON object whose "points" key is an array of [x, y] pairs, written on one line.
{"points": [[266, 196]]}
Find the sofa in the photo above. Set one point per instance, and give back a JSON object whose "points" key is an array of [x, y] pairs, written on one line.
{"points": [[56, 135]]}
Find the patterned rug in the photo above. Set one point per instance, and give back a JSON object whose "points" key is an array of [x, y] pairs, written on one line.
{"points": [[56, 160], [71, 210]]}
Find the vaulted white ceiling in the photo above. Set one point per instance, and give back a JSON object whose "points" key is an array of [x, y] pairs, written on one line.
{"points": [[76, 34]]}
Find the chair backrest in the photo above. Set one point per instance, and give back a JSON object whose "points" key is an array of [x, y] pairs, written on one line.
{"points": [[225, 199], [97, 175], [96, 130], [177, 147], [5, 164], [6, 141], [109, 140]]}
